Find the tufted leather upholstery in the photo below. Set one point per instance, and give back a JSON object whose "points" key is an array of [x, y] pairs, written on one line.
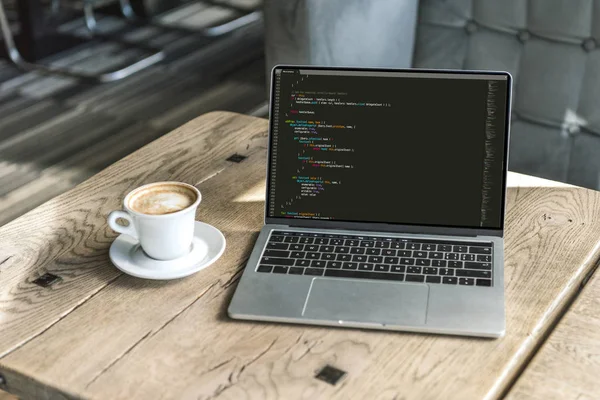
{"points": [[551, 47]]}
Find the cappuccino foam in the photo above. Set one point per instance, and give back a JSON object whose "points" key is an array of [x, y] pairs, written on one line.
{"points": [[162, 199]]}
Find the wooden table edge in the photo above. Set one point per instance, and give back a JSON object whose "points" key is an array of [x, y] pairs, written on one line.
{"points": [[543, 330]]}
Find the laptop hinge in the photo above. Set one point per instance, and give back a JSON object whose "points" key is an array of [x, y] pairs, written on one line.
{"points": [[387, 228]]}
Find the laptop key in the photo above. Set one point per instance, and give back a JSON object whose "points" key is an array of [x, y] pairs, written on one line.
{"points": [[311, 247], [452, 256], [459, 249], [407, 261], [318, 264], [336, 242], [474, 273], [480, 250], [359, 258], [428, 247], [296, 247], [423, 262], [327, 256], [366, 243], [305, 240], [484, 282], [280, 270], [413, 246], [477, 265], [484, 258], [435, 255], [388, 252], [313, 256], [455, 264], [449, 280], [373, 252], [438, 263], [264, 268], [302, 263], [298, 254], [313, 271], [276, 239], [342, 250], [351, 242], [391, 260], [382, 268], [397, 245], [404, 253], [467, 257], [349, 265], [444, 247], [344, 257], [365, 267], [321, 241], [382, 245], [466, 281], [280, 246], [420, 254], [430, 271], [291, 239], [334, 264], [277, 261], [375, 259], [415, 278], [363, 274], [357, 250], [276, 253], [326, 249], [413, 270], [446, 271], [433, 279], [296, 271], [397, 268]]}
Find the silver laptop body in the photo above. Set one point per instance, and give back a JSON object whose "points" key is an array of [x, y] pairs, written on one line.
{"points": [[327, 258]]}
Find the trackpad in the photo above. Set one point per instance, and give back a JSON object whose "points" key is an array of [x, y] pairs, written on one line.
{"points": [[367, 301]]}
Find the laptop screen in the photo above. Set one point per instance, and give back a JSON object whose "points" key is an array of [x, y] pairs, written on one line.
{"points": [[383, 146]]}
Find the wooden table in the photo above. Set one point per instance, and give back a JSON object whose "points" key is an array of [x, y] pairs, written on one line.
{"points": [[101, 334]]}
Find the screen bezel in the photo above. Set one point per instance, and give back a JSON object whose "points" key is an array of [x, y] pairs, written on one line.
{"points": [[382, 226]]}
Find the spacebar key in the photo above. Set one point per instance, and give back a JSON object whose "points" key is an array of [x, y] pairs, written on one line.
{"points": [[277, 261], [342, 273]]}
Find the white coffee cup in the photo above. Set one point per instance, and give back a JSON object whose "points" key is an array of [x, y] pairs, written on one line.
{"points": [[161, 217]]}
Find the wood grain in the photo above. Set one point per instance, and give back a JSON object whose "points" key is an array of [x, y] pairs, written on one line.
{"points": [[568, 364], [7, 396], [107, 335]]}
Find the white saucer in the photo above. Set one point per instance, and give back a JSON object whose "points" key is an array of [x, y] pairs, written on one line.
{"points": [[207, 246]]}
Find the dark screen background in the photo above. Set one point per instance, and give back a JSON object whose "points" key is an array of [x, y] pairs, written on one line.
{"points": [[416, 159]]}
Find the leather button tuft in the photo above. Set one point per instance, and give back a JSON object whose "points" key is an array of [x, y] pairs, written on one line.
{"points": [[589, 44], [523, 36], [471, 26]]}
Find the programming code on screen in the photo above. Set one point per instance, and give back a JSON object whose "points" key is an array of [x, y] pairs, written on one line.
{"points": [[375, 148]]}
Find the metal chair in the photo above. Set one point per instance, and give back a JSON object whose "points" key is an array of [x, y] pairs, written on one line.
{"points": [[15, 56], [212, 31]]}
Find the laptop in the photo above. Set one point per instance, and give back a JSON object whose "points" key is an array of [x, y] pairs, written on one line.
{"points": [[385, 201]]}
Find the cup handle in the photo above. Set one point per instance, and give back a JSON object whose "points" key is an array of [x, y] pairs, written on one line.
{"points": [[128, 230]]}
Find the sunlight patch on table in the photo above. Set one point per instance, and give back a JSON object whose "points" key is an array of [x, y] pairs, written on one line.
{"points": [[519, 180], [255, 194]]}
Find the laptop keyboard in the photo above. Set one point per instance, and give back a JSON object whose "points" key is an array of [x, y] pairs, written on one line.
{"points": [[370, 257]]}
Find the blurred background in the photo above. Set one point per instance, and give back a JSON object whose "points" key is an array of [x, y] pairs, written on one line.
{"points": [[85, 82], [95, 80]]}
